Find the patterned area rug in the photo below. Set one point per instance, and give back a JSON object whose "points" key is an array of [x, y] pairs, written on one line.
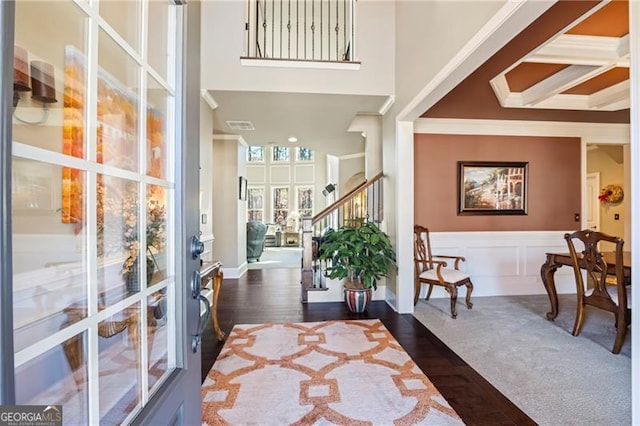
{"points": [[331, 372]]}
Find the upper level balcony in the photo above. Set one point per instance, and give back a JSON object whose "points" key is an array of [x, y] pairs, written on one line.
{"points": [[340, 47], [307, 30]]}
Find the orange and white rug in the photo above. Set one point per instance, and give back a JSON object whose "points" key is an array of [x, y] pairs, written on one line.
{"points": [[331, 372]]}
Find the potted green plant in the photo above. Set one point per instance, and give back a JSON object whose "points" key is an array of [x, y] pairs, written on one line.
{"points": [[361, 253]]}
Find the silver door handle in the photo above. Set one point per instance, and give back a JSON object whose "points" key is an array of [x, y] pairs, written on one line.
{"points": [[197, 247], [197, 338]]}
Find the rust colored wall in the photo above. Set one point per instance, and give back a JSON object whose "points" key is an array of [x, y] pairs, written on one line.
{"points": [[553, 181]]}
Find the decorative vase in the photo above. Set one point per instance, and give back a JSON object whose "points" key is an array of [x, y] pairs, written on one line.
{"points": [[131, 278], [357, 299]]}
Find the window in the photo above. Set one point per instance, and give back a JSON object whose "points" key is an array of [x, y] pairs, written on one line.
{"points": [[280, 205], [280, 154], [255, 204], [304, 154], [255, 154], [304, 201]]}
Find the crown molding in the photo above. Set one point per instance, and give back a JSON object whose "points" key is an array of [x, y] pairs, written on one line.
{"points": [[602, 133]]}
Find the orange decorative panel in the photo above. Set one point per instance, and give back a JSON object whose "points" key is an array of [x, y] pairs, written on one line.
{"points": [[73, 135], [600, 82], [528, 74], [610, 21]]}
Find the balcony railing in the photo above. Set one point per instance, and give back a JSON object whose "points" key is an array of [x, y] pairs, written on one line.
{"points": [[301, 30], [363, 202]]}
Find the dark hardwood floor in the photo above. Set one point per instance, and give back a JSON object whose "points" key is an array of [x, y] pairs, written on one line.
{"points": [[273, 295]]}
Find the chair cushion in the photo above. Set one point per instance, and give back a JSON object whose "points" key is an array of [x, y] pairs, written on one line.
{"points": [[449, 275]]}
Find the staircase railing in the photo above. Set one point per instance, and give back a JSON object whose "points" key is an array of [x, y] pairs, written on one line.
{"points": [[362, 202]]}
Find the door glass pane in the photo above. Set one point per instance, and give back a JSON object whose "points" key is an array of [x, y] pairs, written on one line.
{"points": [[124, 17], [159, 51], [157, 101], [119, 366], [43, 80], [157, 336], [58, 377], [118, 239], [118, 81], [49, 256], [156, 233]]}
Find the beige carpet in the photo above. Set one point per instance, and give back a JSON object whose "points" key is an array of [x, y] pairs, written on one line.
{"points": [[554, 377], [331, 372]]}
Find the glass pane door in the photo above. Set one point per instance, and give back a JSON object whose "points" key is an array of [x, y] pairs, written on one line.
{"points": [[93, 197]]}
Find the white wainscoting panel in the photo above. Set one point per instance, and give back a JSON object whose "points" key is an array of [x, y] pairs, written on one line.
{"points": [[503, 263]]}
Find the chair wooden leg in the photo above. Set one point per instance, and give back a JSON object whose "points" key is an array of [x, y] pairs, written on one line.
{"points": [[579, 317], [429, 292], [453, 291], [469, 286], [416, 292], [620, 335]]}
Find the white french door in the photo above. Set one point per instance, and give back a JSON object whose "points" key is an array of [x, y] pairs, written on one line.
{"points": [[98, 147]]}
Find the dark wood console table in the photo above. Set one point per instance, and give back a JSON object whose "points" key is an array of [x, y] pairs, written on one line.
{"points": [[557, 260], [212, 271]]}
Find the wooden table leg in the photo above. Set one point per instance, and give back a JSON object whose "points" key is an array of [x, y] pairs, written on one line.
{"points": [[546, 271], [217, 285]]}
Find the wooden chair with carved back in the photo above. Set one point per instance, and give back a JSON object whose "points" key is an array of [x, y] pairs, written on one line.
{"points": [[610, 292], [432, 270]]}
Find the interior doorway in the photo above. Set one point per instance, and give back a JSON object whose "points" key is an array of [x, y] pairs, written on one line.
{"points": [[610, 163]]}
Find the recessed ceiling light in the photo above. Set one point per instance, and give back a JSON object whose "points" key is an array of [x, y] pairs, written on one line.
{"points": [[292, 139]]}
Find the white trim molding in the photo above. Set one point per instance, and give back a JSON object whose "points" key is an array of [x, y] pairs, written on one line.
{"points": [[601, 133]]}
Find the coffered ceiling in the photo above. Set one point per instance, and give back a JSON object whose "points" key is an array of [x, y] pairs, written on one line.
{"points": [[571, 64], [585, 67]]}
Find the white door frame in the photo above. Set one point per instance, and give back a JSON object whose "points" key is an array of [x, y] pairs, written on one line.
{"points": [[594, 176]]}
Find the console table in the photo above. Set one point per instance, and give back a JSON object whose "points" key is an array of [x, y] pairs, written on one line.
{"points": [[211, 272]]}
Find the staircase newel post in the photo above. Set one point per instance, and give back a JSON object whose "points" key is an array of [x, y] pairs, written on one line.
{"points": [[307, 257]]}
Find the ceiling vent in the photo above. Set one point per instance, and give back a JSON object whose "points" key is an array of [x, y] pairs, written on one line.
{"points": [[240, 125]]}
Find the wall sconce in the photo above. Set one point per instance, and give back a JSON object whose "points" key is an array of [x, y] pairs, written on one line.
{"points": [[328, 189], [42, 88]]}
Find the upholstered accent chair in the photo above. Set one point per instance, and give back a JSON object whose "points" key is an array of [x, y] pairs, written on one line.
{"points": [[256, 231], [432, 270]]}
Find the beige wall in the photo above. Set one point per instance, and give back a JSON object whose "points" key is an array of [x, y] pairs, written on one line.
{"points": [[228, 162], [608, 163], [553, 189], [349, 167]]}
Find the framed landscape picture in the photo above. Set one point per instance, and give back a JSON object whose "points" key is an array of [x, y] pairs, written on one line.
{"points": [[492, 188]]}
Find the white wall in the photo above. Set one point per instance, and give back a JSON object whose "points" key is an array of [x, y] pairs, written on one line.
{"points": [[224, 20], [428, 35]]}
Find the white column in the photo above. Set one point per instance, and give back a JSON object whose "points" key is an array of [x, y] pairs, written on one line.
{"points": [[371, 127]]}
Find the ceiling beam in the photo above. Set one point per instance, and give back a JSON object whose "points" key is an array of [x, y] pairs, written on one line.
{"points": [[558, 83]]}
